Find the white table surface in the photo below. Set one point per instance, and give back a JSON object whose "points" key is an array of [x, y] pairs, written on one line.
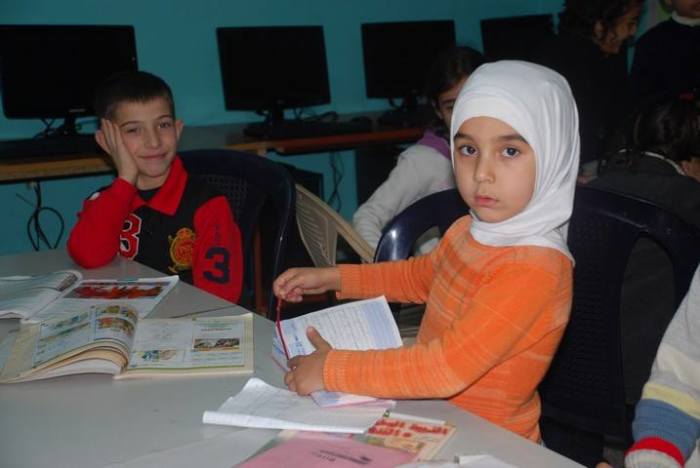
{"points": [[93, 421]]}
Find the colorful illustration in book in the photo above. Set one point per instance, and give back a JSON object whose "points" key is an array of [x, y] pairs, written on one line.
{"points": [[122, 310], [157, 355], [96, 290], [115, 323], [216, 344]]}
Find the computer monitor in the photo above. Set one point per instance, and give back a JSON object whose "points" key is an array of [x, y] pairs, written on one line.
{"points": [[517, 37], [270, 68], [51, 72], [397, 56]]}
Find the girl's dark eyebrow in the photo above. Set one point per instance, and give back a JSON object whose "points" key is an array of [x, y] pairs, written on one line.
{"points": [[510, 137]]}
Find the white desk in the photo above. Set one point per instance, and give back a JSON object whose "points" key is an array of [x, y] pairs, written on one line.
{"points": [[91, 420]]}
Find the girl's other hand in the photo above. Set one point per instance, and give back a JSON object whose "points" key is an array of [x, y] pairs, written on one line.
{"points": [[294, 283], [306, 374]]}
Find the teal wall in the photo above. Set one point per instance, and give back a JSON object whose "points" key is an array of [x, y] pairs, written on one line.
{"points": [[176, 40]]}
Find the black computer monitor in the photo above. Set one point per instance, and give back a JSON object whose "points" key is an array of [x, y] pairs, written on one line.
{"points": [[270, 68], [517, 37], [51, 72], [397, 56]]}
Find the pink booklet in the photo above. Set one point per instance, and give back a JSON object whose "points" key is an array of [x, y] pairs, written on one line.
{"points": [[316, 449]]}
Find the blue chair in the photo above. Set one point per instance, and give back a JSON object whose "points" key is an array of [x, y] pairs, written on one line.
{"points": [[584, 389], [399, 236], [262, 195]]}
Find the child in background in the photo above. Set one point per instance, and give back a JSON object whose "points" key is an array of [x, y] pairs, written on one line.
{"points": [[423, 168], [498, 286], [666, 424], [590, 51], [154, 212], [667, 57]]}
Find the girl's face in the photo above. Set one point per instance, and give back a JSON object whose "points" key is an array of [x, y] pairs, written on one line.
{"points": [[610, 42], [446, 102], [494, 168]]}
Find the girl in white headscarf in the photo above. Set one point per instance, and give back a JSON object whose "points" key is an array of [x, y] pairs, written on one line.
{"points": [[498, 286]]}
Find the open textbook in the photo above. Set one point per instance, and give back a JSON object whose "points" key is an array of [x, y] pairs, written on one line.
{"points": [[111, 338], [37, 298], [358, 325]]}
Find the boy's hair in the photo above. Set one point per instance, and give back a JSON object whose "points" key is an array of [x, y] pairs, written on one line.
{"points": [[130, 86], [668, 126], [580, 16], [449, 67]]}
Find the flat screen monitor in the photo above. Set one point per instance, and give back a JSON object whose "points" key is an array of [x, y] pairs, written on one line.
{"points": [[397, 56], [49, 72], [517, 37], [270, 68]]}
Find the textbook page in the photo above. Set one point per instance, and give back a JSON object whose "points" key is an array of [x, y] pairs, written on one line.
{"points": [[263, 406], [359, 325], [40, 346], [24, 296], [142, 295], [192, 345]]}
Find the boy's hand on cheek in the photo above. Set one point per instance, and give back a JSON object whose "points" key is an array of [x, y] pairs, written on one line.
{"points": [[306, 374], [110, 139]]}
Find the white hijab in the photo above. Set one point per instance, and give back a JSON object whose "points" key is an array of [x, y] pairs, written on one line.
{"points": [[538, 104]]}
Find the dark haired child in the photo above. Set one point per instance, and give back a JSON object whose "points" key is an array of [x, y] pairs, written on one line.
{"points": [[423, 168], [590, 52], [154, 212], [667, 57]]}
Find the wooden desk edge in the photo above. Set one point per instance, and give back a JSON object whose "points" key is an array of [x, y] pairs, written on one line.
{"points": [[17, 170]]}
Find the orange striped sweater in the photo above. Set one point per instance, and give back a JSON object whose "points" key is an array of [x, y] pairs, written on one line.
{"points": [[494, 317]]}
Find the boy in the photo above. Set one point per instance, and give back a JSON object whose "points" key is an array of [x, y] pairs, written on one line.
{"points": [[154, 212], [666, 58]]}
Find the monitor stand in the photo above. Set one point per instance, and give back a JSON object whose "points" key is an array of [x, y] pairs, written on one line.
{"points": [[401, 117], [409, 114]]}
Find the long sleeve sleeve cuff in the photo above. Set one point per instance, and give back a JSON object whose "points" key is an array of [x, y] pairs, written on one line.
{"points": [[654, 452]]}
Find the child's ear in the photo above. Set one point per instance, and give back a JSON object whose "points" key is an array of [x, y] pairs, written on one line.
{"points": [[179, 125]]}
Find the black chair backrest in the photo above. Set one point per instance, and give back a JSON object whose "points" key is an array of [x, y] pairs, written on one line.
{"points": [[251, 182], [584, 387], [439, 210]]}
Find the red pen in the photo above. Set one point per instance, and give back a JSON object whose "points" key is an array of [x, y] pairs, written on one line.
{"points": [[279, 328]]}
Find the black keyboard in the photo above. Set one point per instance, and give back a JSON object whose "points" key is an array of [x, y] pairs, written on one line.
{"points": [[288, 129], [49, 146]]}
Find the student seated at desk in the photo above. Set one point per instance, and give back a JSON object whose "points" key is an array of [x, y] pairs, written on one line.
{"points": [[425, 167], [498, 286], [154, 212], [666, 424]]}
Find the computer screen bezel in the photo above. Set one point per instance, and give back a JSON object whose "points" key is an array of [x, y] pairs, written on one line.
{"points": [[234, 69], [375, 85], [22, 102]]}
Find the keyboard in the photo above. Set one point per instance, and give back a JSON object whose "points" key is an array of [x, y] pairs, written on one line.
{"points": [[289, 129], [49, 146]]}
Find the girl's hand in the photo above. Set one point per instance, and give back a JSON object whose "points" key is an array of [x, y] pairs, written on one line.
{"points": [[291, 285], [109, 137], [306, 374]]}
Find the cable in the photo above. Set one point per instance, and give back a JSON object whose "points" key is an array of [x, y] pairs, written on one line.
{"points": [[35, 232], [337, 167]]}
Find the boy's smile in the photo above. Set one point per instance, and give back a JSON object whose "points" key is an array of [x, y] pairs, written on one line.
{"points": [[494, 168], [150, 134]]}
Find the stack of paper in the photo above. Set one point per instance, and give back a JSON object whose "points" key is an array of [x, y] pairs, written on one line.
{"points": [[264, 406], [358, 325]]}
